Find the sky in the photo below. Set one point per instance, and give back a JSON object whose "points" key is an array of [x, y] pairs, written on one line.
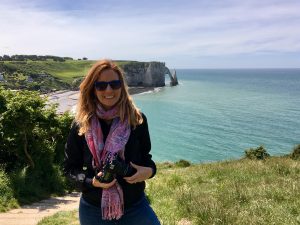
{"points": [[183, 34]]}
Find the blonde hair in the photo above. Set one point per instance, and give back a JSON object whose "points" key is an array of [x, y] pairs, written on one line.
{"points": [[87, 99]]}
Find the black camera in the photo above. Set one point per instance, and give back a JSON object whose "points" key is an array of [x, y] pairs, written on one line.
{"points": [[113, 168]]}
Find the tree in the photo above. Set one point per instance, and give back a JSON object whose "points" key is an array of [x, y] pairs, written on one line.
{"points": [[22, 118], [32, 138], [6, 58]]}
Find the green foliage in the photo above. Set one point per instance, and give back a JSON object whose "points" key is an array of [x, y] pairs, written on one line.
{"points": [[32, 144], [21, 58], [65, 71], [259, 153], [45, 73], [7, 199], [62, 129], [182, 163], [31, 185], [76, 83], [296, 152]]}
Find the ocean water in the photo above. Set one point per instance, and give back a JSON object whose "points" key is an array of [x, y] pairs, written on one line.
{"points": [[215, 114]]}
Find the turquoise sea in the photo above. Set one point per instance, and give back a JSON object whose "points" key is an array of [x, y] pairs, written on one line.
{"points": [[215, 114]]}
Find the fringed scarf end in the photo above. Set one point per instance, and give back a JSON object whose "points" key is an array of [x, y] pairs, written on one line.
{"points": [[112, 212]]}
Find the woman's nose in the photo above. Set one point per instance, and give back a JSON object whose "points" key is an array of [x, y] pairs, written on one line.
{"points": [[108, 88]]}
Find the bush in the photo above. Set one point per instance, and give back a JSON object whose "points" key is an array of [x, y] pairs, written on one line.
{"points": [[296, 152], [259, 153], [32, 138], [30, 185], [182, 163], [7, 199]]}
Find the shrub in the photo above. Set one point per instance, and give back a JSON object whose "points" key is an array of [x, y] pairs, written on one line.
{"points": [[296, 152], [32, 138], [7, 199], [182, 163], [259, 153]]}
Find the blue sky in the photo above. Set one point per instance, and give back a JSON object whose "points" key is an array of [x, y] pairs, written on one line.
{"points": [[183, 34]]}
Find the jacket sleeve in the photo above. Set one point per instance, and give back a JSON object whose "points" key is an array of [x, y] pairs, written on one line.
{"points": [[146, 143], [73, 161]]}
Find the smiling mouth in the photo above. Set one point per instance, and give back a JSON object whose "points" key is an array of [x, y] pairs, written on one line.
{"points": [[109, 97]]}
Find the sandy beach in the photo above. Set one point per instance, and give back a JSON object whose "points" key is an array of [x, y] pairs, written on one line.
{"points": [[67, 99]]}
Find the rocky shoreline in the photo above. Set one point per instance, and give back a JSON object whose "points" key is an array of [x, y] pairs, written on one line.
{"points": [[139, 90], [67, 99]]}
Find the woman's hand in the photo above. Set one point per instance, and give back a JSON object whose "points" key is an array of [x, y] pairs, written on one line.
{"points": [[142, 173], [96, 183]]}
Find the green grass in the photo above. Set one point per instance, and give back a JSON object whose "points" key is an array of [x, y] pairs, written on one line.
{"points": [[231, 192], [60, 75], [69, 70], [66, 71], [69, 217]]}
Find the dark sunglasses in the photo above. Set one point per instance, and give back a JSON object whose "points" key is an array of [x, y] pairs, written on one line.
{"points": [[102, 85]]}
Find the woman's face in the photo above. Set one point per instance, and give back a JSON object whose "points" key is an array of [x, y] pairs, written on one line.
{"points": [[108, 97]]}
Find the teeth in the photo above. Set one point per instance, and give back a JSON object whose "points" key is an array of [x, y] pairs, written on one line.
{"points": [[108, 96]]}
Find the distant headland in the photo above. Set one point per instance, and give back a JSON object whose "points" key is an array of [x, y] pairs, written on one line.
{"points": [[53, 73]]}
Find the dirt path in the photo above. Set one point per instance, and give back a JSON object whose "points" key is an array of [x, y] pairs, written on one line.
{"points": [[32, 214]]}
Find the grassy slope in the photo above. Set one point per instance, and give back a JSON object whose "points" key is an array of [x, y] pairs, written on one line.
{"points": [[61, 75], [232, 192], [66, 71]]}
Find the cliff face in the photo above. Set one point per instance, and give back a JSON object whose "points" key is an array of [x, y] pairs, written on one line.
{"points": [[146, 74]]}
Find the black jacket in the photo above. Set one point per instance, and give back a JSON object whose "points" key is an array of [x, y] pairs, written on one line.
{"points": [[78, 159]]}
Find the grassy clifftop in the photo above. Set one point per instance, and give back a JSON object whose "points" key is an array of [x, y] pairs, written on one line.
{"points": [[63, 70], [44, 75], [230, 192]]}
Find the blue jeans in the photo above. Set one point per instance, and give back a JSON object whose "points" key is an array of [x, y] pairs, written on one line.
{"points": [[137, 214]]}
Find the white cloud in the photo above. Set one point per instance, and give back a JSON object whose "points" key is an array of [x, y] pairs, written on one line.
{"points": [[152, 34]]}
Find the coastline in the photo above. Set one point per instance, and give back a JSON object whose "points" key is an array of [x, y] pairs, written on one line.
{"points": [[67, 99], [139, 90]]}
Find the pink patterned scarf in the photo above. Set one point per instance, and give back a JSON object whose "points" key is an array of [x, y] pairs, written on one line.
{"points": [[112, 202]]}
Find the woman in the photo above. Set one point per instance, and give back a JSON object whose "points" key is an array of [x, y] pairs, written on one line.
{"points": [[107, 151]]}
